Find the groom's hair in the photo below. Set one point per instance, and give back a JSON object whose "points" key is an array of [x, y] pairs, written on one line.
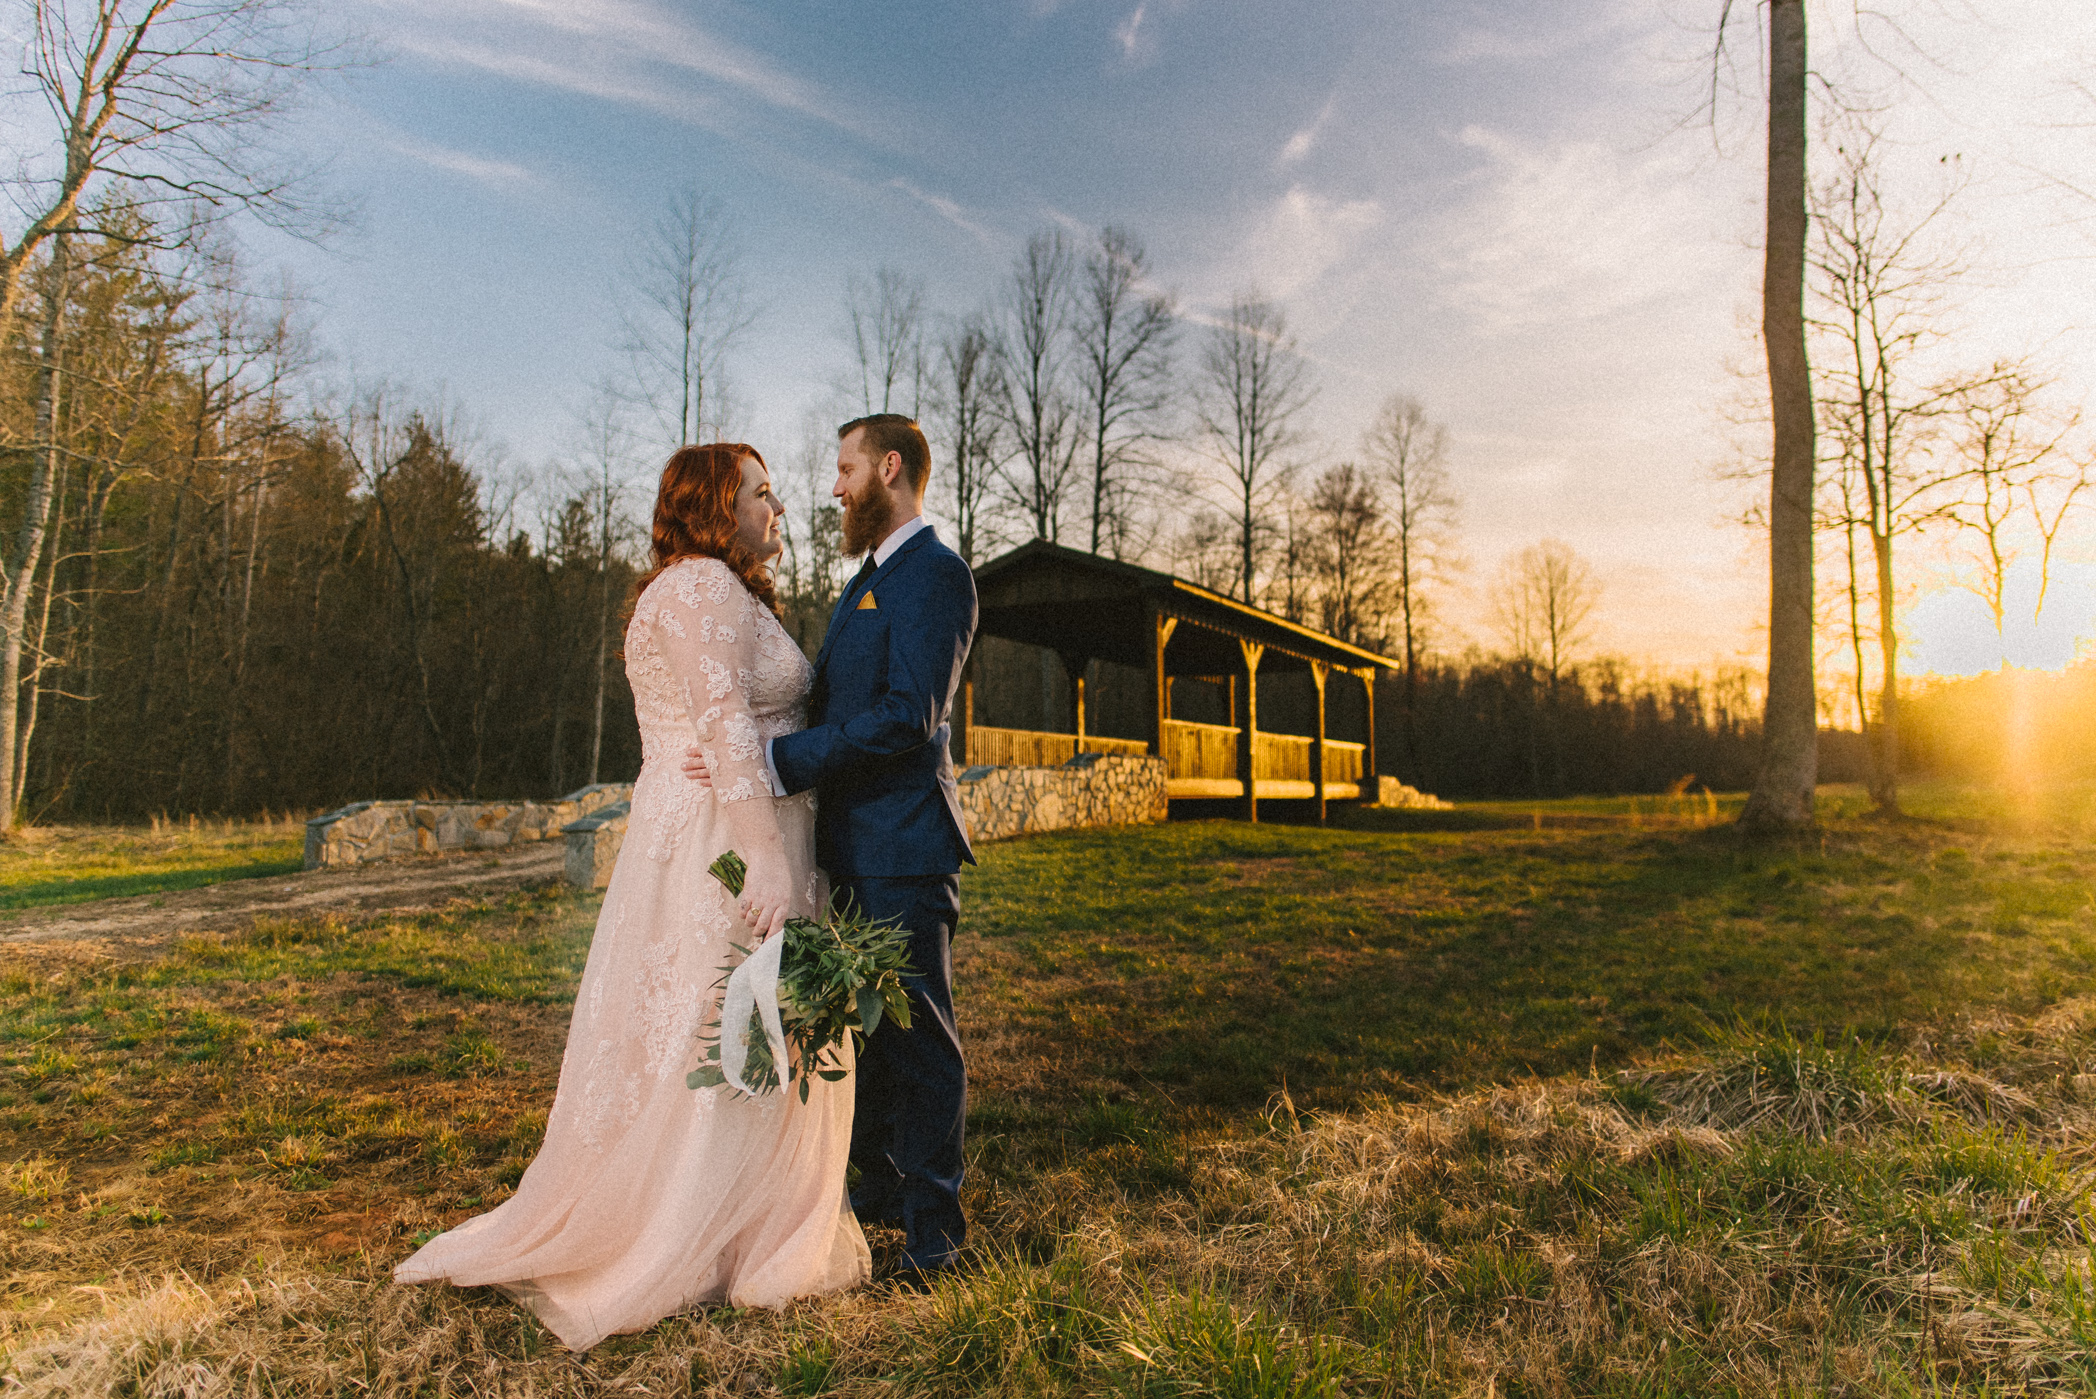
{"points": [[898, 433]]}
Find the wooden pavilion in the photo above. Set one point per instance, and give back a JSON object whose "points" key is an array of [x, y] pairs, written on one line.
{"points": [[1085, 608]]}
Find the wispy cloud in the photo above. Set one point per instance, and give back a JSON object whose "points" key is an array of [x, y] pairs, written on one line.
{"points": [[951, 212], [1303, 236], [1299, 144], [488, 172], [617, 50], [586, 79], [1571, 231], [1136, 44]]}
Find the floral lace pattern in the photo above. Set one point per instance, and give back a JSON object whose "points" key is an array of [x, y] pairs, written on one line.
{"points": [[698, 637], [606, 1231]]}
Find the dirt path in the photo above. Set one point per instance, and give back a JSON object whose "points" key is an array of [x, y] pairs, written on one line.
{"points": [[145, 919]]}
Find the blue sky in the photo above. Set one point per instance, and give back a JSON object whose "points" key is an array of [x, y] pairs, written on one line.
{"points": [[1506, 209]]}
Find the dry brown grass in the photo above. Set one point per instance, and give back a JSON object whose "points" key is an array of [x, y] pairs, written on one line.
{"points": [[217, 1152]]}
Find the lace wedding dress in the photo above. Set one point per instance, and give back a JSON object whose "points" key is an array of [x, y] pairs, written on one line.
{"points": [[647, 1197]]}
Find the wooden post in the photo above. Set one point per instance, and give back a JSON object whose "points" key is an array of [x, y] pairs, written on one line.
{"points": [[1161, 629], [1371, 790], [1319, 671], [966, 728], [1247, 717], [1074, 667]]}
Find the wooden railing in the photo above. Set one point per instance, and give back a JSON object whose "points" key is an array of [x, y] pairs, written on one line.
{"points": [[1200, 759], [1281, 758], [1343, 761], [1200, 753], [1029, 748]]}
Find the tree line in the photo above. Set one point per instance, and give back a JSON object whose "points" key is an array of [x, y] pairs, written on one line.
{"points": [[247, 600], [229, 587]]}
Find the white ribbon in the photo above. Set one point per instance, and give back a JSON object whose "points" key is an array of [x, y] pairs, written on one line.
{"points": [[754, 985]]}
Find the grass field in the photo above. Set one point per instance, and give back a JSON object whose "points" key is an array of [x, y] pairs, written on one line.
{"points": [[76, 864], [1518, 1099]]}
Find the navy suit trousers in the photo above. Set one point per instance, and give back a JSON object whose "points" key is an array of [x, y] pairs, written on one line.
{"points": [[912, 1097]]}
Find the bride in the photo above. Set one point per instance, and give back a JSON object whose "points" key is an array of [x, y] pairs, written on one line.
{"points": [[648, 1197]]}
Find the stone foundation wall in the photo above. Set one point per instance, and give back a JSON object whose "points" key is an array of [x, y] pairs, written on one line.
{"points": [[382, 829], [1092, 789]]}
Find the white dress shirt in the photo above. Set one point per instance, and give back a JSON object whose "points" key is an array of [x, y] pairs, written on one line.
{"points": [[882, 552]]}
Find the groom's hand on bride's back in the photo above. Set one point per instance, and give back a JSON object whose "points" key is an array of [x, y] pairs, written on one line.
{"points": [[695, 767]]}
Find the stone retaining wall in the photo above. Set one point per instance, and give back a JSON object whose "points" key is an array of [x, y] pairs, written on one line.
{"points": [[1092, 789], [1391, 792], [379, 830], [593, 845]]}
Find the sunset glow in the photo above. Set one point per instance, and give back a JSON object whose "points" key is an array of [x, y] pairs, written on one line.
{"points": [[1949, 631]]}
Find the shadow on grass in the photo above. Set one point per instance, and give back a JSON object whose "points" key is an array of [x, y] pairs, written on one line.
{"points": [[1213, 962], [79, 889]]}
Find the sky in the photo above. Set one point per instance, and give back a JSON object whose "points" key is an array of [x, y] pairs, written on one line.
{"points": [[1524, 213]]}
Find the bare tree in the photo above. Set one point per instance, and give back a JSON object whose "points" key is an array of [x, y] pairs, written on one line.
{"points": [[2013, 470], [1544, 606], [1124, 343], [1036, 404], [608, 453], [1783, 788], [965, 398], [1205, 551], [813, 565], [23, 558], [688, 310], [1356, 554], [1251, 389], [1881, 289], [1410, 452], [159, 99], [884, 323]]}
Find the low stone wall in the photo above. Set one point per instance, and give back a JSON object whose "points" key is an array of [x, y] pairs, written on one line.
{"points": [[593, 845], [1092, 789], [379, 830], [1391, 792]]}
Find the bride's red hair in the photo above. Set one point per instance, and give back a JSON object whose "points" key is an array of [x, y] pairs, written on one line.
{"points": [[695, 517]]}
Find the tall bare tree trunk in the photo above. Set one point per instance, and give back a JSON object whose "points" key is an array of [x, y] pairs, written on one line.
{"points": [[36, 514], [1782, 795], [603, 626], [1884, 772], [40, 649]]}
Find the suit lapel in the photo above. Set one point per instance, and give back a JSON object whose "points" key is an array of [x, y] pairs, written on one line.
{"points": [[848, 604]]}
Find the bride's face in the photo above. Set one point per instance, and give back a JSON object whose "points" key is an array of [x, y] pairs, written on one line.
{"points": [[757, 511]]}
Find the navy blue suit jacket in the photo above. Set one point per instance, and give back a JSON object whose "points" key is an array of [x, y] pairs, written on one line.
{"points": [[879, 719]]}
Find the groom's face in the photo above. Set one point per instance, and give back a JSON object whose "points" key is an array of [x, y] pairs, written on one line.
{"points": [[869, 501]]}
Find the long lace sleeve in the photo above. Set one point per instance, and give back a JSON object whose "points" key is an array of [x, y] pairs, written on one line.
{"points": [[706, 628]]}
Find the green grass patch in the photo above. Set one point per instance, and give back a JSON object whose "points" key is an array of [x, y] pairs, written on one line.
{"points": [[1598, 1103], [42, 865], [1217, 960]]}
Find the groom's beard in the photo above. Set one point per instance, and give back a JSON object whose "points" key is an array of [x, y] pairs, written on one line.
{"points": [[868, 516]]}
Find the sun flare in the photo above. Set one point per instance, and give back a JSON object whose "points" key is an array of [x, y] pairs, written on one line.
{"points": [[1949, 631]]}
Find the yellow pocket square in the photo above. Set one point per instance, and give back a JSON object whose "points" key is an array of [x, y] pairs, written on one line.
{"points": [[866, 604]]}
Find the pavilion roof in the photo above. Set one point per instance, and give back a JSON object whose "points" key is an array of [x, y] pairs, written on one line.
{"points": [[1080, 604]]}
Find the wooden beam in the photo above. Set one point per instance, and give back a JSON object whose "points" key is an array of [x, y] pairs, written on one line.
{"points": [[1161, 629], [1074, 667], [1246, 718], [1319, 671], [1371, 790]]}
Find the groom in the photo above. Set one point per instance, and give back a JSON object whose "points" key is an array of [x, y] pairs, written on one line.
{"points": [[888, 819]]}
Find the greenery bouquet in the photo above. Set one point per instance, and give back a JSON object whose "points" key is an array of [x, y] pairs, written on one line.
{"points": [[834, 977]]}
